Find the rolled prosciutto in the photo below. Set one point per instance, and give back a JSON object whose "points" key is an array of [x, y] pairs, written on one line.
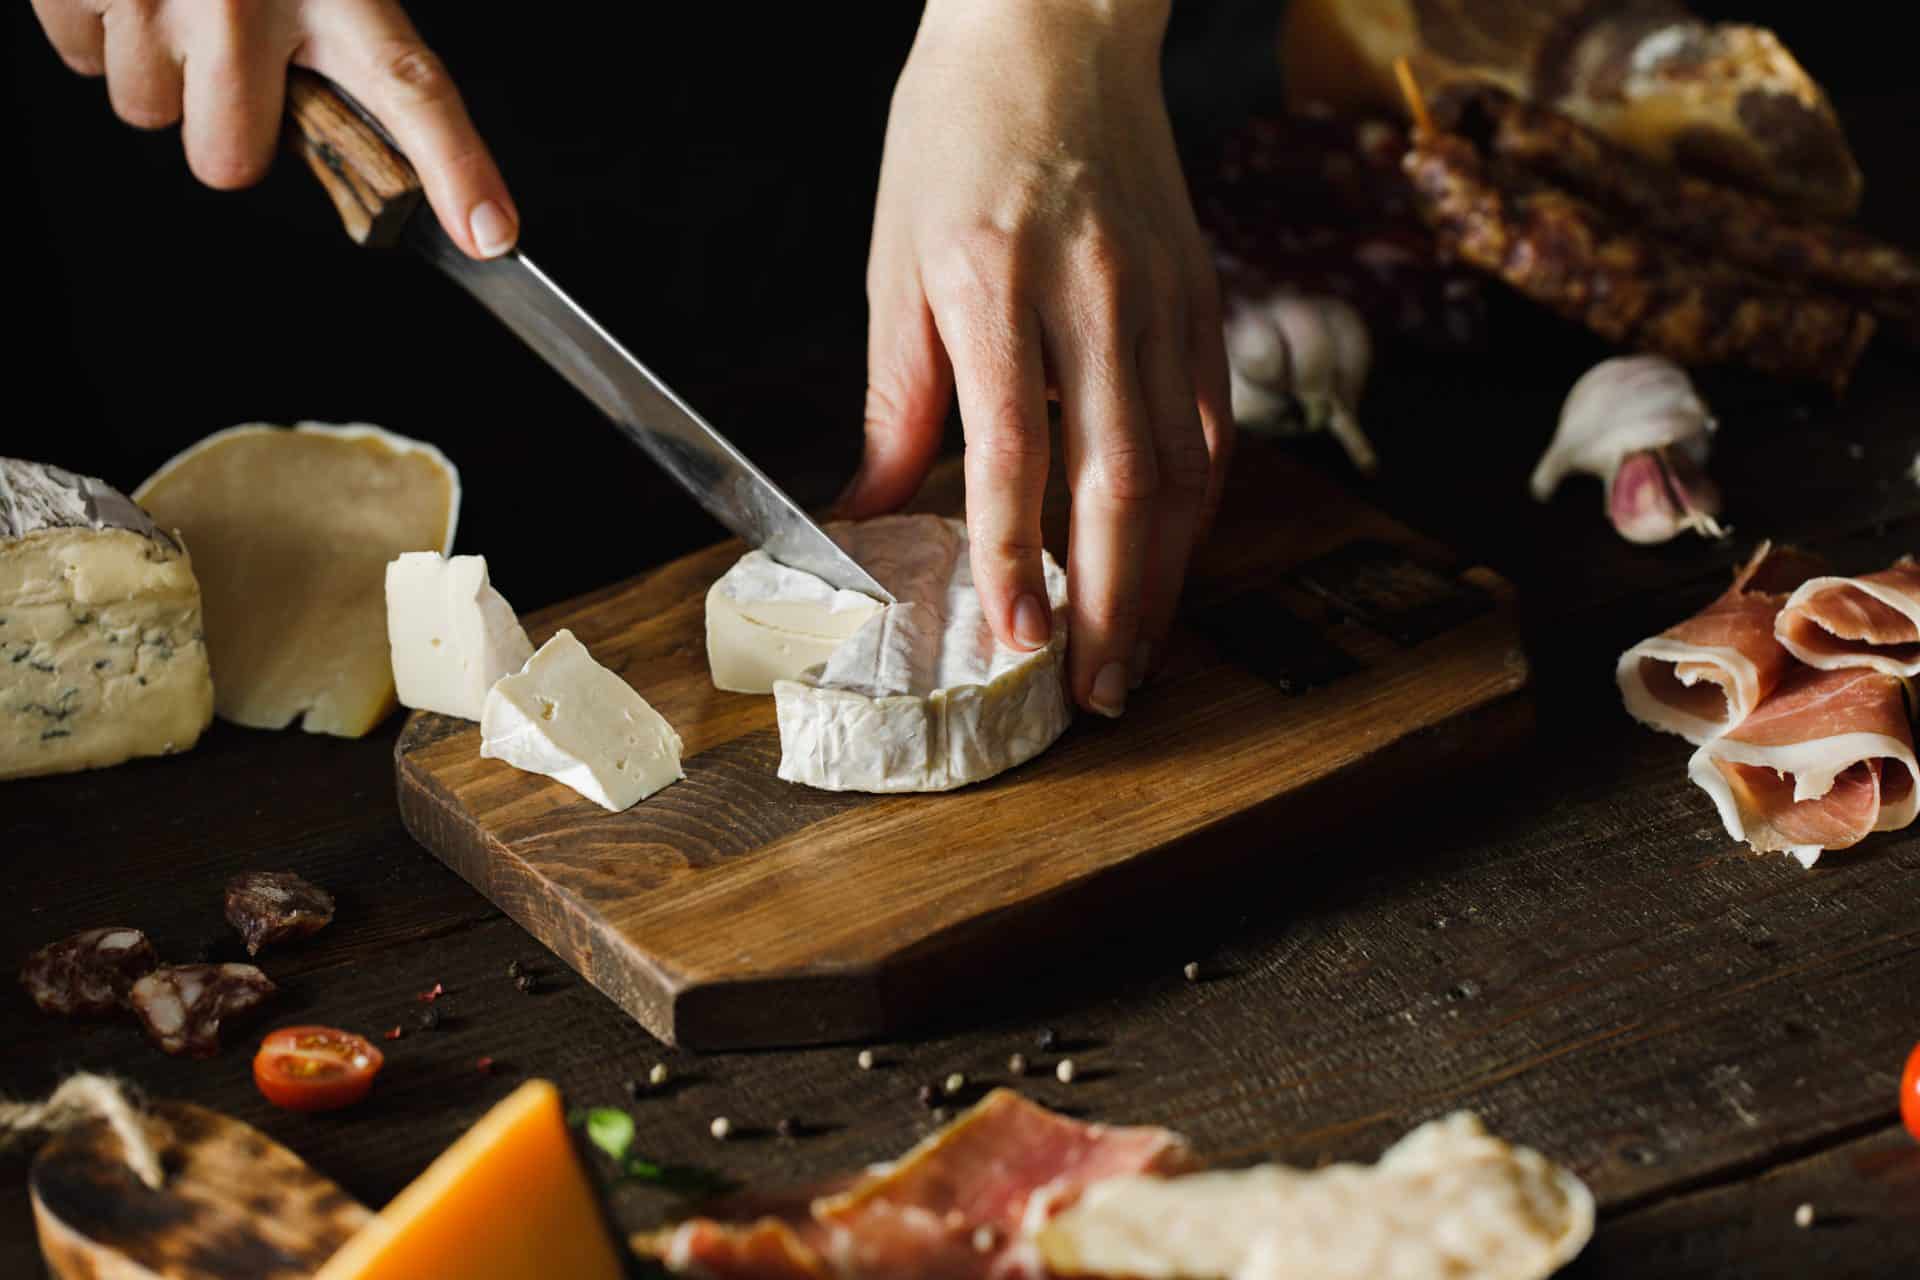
{"points": [[1823, 762], [1707, 674], [1870, 621]]}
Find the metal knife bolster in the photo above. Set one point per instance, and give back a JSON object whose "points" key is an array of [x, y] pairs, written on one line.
{"points": [[706, 464]]}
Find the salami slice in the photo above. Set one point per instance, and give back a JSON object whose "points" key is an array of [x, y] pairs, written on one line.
{"points": [[182, 1006], [88, 973], [275, 906]]}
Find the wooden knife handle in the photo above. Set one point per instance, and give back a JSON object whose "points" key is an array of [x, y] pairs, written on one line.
{"points": [[373, 186]]}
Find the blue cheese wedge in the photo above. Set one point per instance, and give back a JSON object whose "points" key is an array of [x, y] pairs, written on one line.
{"points": [[1447, 1200], [450, 634], [921, 697], [567, 717], [101, 653]]}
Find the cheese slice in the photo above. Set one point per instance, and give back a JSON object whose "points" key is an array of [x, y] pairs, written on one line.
{"points": [[566, 716], [507, 1201], [767, 622], [451, 635], [1449, 1199], [291, 532], [101, 653], [921, 697]]}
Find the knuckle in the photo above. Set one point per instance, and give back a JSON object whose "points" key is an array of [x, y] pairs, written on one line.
{"points": [[1006, 453], [1124, 477], [977, 263], [415, 71], [1186, 464]]}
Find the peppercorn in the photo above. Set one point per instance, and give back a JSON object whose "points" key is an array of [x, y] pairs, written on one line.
{"points": [[1191, 972], [1064, 1072], [787, 1127], [526, 983], [953, 1084], [1017, 1065], [658, 1075], [865, 1059], [721, 1128]]}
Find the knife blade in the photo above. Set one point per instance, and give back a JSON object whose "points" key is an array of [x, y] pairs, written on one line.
{"points": [[378, 197]]}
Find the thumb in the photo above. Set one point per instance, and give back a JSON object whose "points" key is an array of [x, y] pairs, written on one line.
{"points": [[909, 386]]}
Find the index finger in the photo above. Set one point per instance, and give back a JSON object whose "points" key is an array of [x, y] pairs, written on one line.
{"points": [[373, 51], [994, 347]]}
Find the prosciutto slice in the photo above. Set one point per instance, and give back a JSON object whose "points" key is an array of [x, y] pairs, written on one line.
{"points": [[1870, 621], [1826, 760], [960, 1206], [1707, 674]]}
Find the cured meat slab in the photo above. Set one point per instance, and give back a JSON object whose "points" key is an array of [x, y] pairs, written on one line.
{"points": [[1329, 660]]}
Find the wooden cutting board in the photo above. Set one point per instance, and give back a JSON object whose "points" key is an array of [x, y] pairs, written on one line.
{"points": [[1327, 657]]}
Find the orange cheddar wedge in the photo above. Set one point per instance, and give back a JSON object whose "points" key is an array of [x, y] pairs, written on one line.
{"points": [[508, 1201]]}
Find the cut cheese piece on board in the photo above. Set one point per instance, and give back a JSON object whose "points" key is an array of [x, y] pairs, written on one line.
{"points": [[101, 653], [921, 697], [235, 1205], [767, 622], [566, 716], [291, 533], [450, 634], [1449, 1199], [507, 1201]]}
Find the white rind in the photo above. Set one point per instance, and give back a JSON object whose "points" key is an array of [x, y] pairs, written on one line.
{"points": [[921, 698], [767, 622], [1904, 605], [345, 431], [1655, 714]]}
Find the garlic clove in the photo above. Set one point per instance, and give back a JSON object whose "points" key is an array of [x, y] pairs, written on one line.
{"points": [[1618, 407], [1256, 351], [1657, 494]]}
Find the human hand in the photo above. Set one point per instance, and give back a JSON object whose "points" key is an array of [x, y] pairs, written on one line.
{"points": [[218, 68], [1032, 231]]}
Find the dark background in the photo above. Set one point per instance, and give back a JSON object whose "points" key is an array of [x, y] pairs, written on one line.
{"points": [[703, 185]]}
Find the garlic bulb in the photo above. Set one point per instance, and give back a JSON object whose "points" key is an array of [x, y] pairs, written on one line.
{"points": [[1637, 423], [1298, 363]]}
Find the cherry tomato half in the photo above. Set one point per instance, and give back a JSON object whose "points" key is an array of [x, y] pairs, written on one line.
{"points": [[1910, 1093], [315, 1068]]}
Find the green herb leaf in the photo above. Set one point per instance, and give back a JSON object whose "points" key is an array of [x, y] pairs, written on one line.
{"points": [[611, 1130]]}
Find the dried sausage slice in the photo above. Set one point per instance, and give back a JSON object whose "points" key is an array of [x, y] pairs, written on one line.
{"points": [[275, 906], [182, 1005], [88, 973]]}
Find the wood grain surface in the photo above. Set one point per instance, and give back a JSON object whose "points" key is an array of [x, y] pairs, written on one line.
{"points": [[736, 910]]}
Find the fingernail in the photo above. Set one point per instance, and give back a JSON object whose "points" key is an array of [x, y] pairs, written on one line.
{"points": [[1110, 691], [1142, 661], [492, 230], [1031, 625]]}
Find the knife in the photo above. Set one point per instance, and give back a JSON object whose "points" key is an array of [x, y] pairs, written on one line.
{"points": [[376, 193]]}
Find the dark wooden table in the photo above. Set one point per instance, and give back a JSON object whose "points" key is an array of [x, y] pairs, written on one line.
{"points": [[1567, 943]]}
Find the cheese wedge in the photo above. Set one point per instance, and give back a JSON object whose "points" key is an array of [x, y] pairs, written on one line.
{"points": [[291, 532], [507, 1201], [767, 622], [101, 653], [450, 633], [566, 716]]}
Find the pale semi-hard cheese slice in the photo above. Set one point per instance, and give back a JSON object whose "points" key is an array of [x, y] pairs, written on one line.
{"points": [[101, 654], [766, 622], [451, 635], [508, 1201], [1447, 1202], [921, 697], [291, 533], [566, 716]]}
